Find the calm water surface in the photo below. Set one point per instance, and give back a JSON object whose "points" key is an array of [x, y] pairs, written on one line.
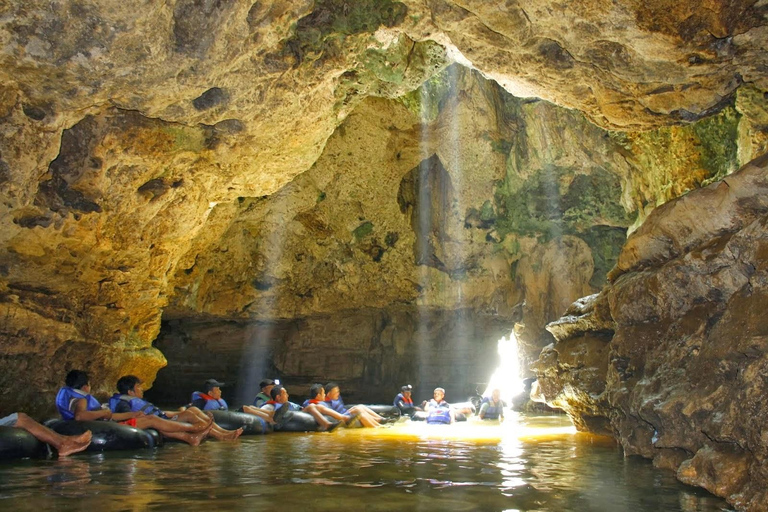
{"points": [[529, 463]]}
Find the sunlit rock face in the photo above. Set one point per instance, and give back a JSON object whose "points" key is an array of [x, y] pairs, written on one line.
{"points": [[410, 210], [320, 165], [680, 371], [627, 64]]}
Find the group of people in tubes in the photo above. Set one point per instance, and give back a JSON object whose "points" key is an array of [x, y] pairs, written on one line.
{"points": [[324, 410]]}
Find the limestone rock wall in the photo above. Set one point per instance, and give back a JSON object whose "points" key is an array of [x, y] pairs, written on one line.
{"points": [[370, 352], [680, 366], [409, 207], [323, 173]]}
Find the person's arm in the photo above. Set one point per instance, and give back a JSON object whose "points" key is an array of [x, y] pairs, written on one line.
{"points": [[483, 409], [270, 410], [83, 414]]}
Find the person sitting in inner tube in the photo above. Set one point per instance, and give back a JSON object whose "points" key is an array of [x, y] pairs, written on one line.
{"points": [[404, 402], [130, 397], [279, 399], [74, 403], [366, 416], [263, 397], [492, 408], [438, 410], [317, 398], [210, 400], [64, 445]]}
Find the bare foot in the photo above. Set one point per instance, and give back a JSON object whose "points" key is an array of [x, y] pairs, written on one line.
{"points": [[199, 427], [196, 439], [74, 444], [237, 433]]}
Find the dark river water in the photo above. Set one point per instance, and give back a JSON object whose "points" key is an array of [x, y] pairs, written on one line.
{"points": [[529, 463]]}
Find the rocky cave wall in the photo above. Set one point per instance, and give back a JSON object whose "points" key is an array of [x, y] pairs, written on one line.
{"points": [[241, 164], [672, 357], [526, 207]]}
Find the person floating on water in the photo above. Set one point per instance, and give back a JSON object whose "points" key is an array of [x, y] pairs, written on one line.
{"points": [[210, 400], [263, 397], [317, 398], [404, 402], [333, 400], [130, 397], [64, 445], [74, 402], [279, 406], [438, 410], [492, 408]]}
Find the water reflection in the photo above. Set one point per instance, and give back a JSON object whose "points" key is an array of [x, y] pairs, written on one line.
{"points": [[528, 464]]}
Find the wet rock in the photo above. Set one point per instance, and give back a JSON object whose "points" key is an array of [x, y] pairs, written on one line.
{"points": [[689, 348]]}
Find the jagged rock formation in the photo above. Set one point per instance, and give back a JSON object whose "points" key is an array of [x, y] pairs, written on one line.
{"points": [[671, 357], [283, 176]]}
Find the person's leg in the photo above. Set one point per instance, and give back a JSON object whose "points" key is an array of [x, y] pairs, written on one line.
{"points": [[367, 411], [368, 420], [163, 425], [65, 445], [327, 411], [321, 420], [364, 411], [249, 409], [194, 415], [223, 434], [192, 438]]}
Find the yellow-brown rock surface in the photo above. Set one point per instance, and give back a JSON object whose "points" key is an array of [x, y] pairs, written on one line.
{"points": [[273, 178]]}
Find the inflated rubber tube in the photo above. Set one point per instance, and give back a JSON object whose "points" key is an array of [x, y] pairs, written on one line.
{"points": [[464, 405], [295, 421], [108, 435], [422, 416], [232, 420], [383, 410], [17, 443]]}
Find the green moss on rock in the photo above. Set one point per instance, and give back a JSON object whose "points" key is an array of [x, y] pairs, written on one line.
{"points": [[316, 33], [718, 137], [363, 230], [428, 100]]}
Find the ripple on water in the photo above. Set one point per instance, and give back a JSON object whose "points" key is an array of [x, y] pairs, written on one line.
{"points": [[532, 464]]}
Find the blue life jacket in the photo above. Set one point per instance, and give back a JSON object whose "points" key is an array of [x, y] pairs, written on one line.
{"points": [[137, 404], [211, 404], [337, 405], [493, 411], [274, 404], [439, 416], [65, 402]]}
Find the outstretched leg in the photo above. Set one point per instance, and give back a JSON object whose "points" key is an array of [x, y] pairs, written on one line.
{"points": [[65, 445], [195, 416], [163, 426], [193, 438]]}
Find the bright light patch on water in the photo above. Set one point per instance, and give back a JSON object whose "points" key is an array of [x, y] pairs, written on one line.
{"points": [[475, 430], [506, 378]]}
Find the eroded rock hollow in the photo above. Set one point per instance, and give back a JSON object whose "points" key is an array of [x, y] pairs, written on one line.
{"points": [[375, 192]]}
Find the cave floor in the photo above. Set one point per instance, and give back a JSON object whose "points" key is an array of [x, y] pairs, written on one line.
{"points": [[529, 463]]}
